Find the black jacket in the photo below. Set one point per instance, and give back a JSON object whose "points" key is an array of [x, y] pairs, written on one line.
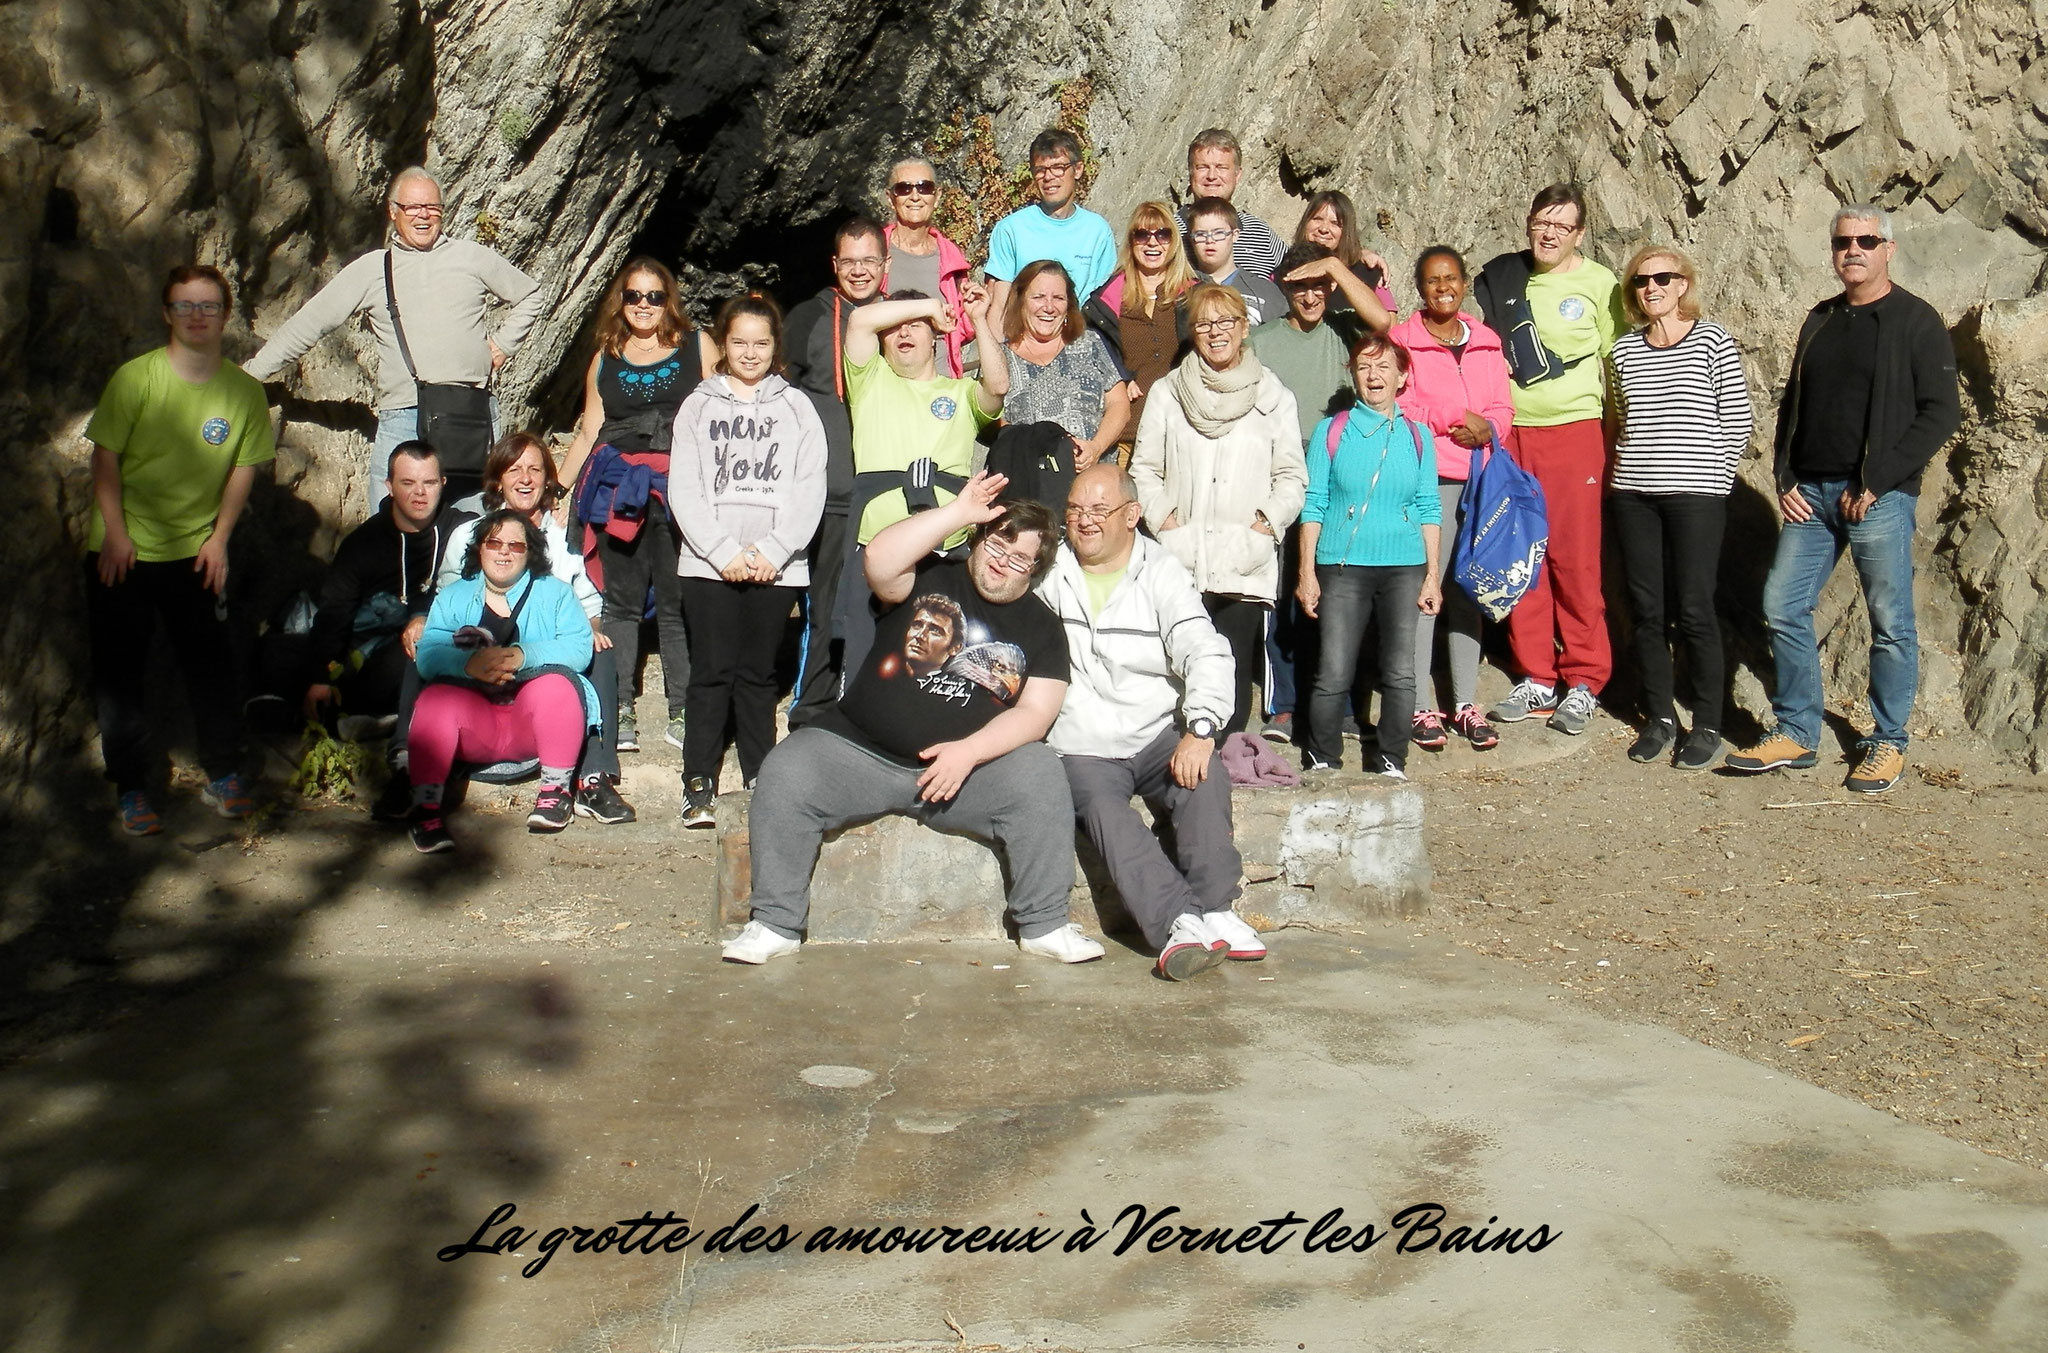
{"points": [[376, 558], [809, 364], [1915, 404]]}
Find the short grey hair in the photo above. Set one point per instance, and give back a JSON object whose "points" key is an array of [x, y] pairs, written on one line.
{"points": [[912, 159], [407, 175], [1863, 211]]}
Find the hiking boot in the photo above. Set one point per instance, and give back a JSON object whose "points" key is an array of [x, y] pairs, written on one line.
{"points": [[551, 809], [229, 796], [698, 796], [1699, 749], [1654, 741], [757, 944], [598, 798], [1526, 699], [1469, 721], [1244, 944], [1279, 728], [1776, 752], [674, 736], [1429, 732], [1575, 711], [1877, 769], [394, 801], [138, 815], [430, 831], [1191, 947], [629, 733], [1067, 944]]}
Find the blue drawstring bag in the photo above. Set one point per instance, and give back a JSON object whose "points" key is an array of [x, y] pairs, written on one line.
{"points": [[1503, 532]]}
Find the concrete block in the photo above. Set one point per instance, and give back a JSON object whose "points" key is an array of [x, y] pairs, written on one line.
{"points": [[1330, 856]]}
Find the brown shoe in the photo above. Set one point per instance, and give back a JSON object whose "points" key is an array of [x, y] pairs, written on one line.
{"points": [[1776, 752], [1877, 769]]}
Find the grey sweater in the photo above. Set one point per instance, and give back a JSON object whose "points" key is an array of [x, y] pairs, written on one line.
{"points": [[747, 472], [443, 295]]}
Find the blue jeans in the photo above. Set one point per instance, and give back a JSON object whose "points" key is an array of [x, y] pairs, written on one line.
{"points": [[403, 425], [1882, 547], [1352, 598]]}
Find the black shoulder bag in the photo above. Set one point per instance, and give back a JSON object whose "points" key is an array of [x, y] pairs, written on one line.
{"points": [[454, 419]]}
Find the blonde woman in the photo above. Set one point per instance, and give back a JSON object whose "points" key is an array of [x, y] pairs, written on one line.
{"points": [[1137, 310]]}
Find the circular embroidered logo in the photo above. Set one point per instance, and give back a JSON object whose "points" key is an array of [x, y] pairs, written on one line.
{"points": [[944, 407], [1572, 307], [215, 431]]}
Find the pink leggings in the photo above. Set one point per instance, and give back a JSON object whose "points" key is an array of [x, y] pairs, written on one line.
{"points": [[545, 720]]}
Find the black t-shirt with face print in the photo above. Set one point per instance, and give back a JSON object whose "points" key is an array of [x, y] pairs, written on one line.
{"points": [[944, 663]]}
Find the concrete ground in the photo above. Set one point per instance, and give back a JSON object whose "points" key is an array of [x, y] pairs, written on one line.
{"points": [[337, 1059]]}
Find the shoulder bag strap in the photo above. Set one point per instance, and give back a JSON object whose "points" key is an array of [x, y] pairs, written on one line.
{"points": [[1336, 432], [397, 328]]}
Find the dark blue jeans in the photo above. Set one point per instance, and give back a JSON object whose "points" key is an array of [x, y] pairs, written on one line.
{"points": [[1352, 598]]}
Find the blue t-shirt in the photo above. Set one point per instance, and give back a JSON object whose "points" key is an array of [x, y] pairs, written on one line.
{"points": [[1082, 243]]}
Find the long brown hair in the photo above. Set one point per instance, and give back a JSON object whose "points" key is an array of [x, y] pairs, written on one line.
{"points": [[1013, 307], [1348, 247], [612, 331], [758, 305], [505, 455]]}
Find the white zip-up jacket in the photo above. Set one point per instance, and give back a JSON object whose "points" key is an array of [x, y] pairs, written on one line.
{"points": [[1152, 653]]}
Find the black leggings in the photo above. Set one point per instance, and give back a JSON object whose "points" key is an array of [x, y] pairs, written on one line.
{"points": [[735, 632], [1671, 544], [630, 568]]}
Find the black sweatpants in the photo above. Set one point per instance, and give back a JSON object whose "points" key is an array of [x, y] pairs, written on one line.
{"points": [[817, 680], [735, 631], [630, 568], [122, 621]]}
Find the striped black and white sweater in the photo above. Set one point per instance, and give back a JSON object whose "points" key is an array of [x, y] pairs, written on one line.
{"points": [[1685, 412]]}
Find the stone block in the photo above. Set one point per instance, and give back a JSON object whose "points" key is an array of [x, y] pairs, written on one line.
{"points": [[1334, 856]]}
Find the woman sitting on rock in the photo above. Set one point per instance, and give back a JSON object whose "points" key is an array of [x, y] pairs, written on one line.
{"points": [[1219, 472], [1068, 398], [1138, 311], [502, 655]]}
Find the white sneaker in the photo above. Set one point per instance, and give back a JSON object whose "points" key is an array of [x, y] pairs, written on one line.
{"points": [[1191, 947], [1384, 765], [757, 944], [1228, 926], [1067, 944]]}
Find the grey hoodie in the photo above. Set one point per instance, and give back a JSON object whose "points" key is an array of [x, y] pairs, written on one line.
{"points": [[747, 472]]}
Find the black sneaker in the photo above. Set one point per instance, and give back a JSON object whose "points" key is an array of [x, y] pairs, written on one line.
{"points": [[1701, 748], [430, 831], [698, 796], [1654, 741], [551, 809], [598, 798], [394, 802]]}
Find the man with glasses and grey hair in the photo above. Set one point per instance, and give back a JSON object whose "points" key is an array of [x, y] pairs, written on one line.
{"points": [[1055, 227], [1152, 685], [1870, 400], [444, 288]]}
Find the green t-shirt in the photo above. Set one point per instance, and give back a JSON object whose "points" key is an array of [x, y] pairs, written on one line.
{"points": [[1100, 585], [1313, 366], [1577, 315], [897, 421], [176, 443]]}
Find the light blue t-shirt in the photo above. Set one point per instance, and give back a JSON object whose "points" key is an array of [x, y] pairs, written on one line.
{"points": [[1082, 243]]}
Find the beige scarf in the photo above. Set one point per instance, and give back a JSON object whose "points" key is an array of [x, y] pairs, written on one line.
{"points": [[1214, 400]]}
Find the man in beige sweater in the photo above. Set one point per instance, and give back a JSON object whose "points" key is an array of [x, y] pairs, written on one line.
{"points": [[444, 288]]}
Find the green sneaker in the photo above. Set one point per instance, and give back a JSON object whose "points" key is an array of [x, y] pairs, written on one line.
{"points": [[674, 736]]}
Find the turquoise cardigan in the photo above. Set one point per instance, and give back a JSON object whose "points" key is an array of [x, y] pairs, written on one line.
{"points": [[553, 632], [1367, 524]]}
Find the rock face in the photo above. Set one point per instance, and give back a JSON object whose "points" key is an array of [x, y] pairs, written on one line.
{"points": [[134, 138]]}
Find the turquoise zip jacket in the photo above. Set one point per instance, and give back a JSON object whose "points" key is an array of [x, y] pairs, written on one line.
{"points": [[1375, 494]]}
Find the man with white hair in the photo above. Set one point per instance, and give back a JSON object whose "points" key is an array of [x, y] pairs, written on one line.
{"points": [[1870, 400], [443, 288]]}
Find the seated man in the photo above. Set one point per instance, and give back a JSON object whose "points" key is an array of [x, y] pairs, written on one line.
{"points": [[943, 722], [1142, 651]]}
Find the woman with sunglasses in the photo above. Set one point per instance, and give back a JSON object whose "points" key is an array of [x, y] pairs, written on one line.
{"points": [[1137, 311], [502, 655], [649, 358], [1682, 405], [1220, 475], [920, 257], [1068, 399]]}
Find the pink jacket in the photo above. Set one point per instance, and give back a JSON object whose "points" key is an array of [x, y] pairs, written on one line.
{"points": [[1441, 387], [952, 267]]}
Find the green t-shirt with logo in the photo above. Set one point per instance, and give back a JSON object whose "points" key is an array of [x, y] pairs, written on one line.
{"points": [[897, 422], [1577, 315], [176, 443]]}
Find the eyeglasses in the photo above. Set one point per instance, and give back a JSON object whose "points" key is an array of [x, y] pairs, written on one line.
{"points": [[857, 264], [1662, 279], [506, 546], [910, 188], [1151, 236], [1097, 515], [183, 308], [1220, 326], [1210, 236], [1867, 243], [655, 297], [1003, 559], [1553, 228], [427, 209], [1051, 168]]}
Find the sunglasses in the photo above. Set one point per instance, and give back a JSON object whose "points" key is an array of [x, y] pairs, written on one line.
{"points": [[1662, 279], [921, 188], [506, 546], [1867, 243], [1151, 236], [655, 297]]}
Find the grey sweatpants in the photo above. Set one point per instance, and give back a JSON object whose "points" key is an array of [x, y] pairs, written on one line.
{"points": [[1155, 889], [815, 781]]}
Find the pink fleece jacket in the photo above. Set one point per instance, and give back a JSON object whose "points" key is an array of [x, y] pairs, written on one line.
{"points": [[1441, 387], [952, 268]]}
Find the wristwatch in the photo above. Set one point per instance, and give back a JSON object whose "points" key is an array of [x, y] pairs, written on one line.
{"points": [[1202, 728]]}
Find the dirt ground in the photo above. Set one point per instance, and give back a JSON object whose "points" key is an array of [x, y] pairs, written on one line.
{"points": [[1891, 949]]}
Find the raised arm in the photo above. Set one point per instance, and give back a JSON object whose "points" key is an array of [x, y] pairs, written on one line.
{"points": [[864, 326], [892, 556], [979, 303]]}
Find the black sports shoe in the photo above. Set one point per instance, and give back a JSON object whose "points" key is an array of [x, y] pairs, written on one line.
{"points": [[698, 796], [597, 798], [430, 831], [1701, 748], [1654, 741], [394, 801], [551, 809]]}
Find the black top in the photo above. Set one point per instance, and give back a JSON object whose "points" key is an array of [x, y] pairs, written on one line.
{"points": [[809, 364], [503, 629], [640, 402], [1841, 361], [944, 663], [376, 559]]}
